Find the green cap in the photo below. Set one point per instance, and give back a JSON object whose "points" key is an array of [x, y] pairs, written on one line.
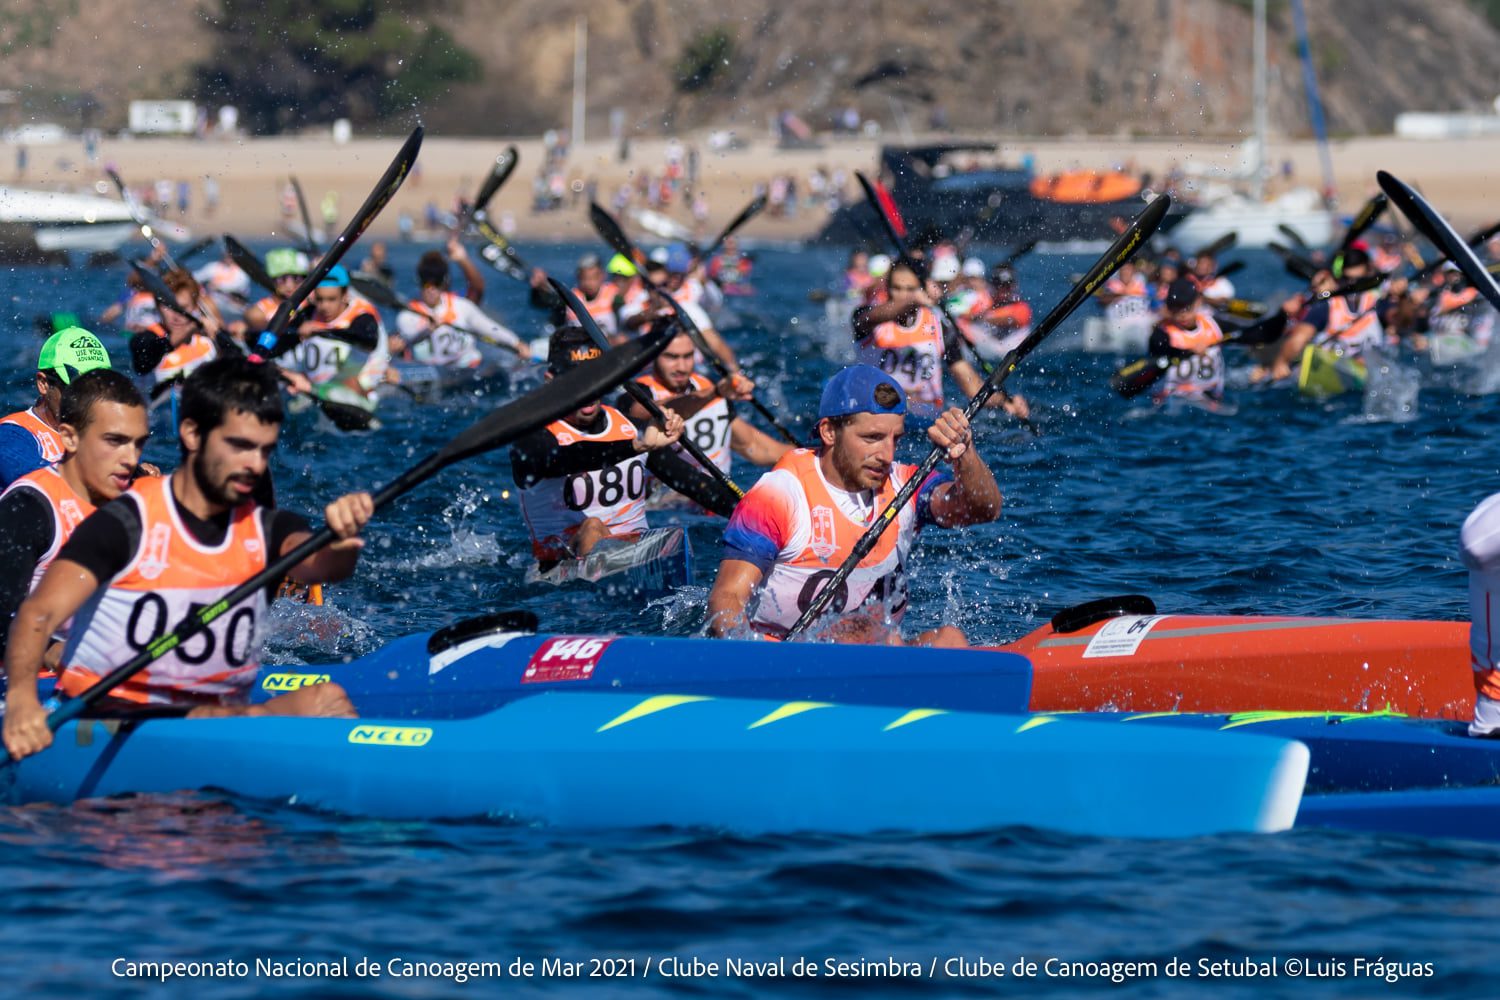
{"points": [[621, 265], [71, 352], [285, 260]]}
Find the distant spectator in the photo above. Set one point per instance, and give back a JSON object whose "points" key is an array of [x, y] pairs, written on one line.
{"points": [[184, 197], [330, 206], [21, 163], [210, 196]]}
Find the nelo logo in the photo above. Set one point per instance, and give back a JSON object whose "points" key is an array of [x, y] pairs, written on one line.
{"points": [[291, 682], [391, 736]]}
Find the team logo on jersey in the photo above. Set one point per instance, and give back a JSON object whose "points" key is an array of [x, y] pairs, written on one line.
{"points": [[824, 542], [154, 564], [252, 545], [72, 514]]}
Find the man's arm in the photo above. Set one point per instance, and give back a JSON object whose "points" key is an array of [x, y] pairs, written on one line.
{"points": [[346, 516], [736, 581], [63, 590], [19, 454], [473, 280], [973, 497], [755, 445]]}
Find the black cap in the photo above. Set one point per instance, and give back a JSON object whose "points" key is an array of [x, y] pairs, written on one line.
{"points": [[1182, 294], [1355, 257], [570, 346]]}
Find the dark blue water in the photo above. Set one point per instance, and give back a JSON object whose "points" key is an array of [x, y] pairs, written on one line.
{"points": [[1288, 507]]}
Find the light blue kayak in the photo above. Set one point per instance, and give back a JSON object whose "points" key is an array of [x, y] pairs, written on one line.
{"points": [[590, 760]]}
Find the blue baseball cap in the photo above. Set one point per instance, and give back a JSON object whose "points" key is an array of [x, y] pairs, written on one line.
{"points": [[338, 277], [853, 391], [678, 259]]}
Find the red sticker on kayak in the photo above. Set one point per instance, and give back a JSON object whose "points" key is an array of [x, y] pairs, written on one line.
{"points": [[566, 658]]}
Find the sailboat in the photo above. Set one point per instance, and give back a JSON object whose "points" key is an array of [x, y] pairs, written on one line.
{"points": [[1256, 219]]}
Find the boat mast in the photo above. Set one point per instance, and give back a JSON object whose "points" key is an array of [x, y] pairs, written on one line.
{"points": [[1258, 162]]}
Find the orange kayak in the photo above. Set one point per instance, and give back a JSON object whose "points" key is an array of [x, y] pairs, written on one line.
{"points": [[1225, 663]]}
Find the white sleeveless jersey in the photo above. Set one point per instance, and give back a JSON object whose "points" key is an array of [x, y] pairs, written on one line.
{"points": [[615, 494], [710, 428], [326, 359], [171, 576]]}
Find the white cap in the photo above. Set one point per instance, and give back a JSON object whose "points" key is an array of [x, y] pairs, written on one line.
{"points": [[974, 268], [659, 255], [879, 265], [944, 269]]}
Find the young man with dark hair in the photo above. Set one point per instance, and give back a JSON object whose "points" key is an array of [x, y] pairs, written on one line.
{"points": [[800, 522], [103, 429], [436, 327], [29, 438], [138, 566]]}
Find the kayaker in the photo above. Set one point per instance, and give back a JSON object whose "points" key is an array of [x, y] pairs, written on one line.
{"points": [[1351, 323], [707, 407], [1189, 336], [1479, 545], [1009, 315], [638, 313], [103, 428], [583, 478], [170, 350], [225, 282], [138, 565], [448, 343], [905, 338], [602, 296], [798, 524], [342, 343], [29, 438], [286, 268]]}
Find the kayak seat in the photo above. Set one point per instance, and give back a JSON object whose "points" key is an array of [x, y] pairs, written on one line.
{"points": [[472, 628], [1085, 614]]}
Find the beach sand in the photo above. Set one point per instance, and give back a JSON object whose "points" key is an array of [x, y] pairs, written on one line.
{"points": [[1458, 176]]}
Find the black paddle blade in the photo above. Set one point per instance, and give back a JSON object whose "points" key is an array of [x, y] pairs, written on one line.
{"points": [[505, 165], [249, 263], [1138, 376], [1364, 220], [1021, 251], [747, 213], [1221, 244], [558, 397], [384, 191], [1292, 234], [1296, 265], [377, 292], [610, 232], [196, 247], [1433, 226], [160, 291], [1233, 267]]}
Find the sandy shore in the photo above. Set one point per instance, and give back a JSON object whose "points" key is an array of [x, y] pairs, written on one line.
{"points": [[1457, 175]]}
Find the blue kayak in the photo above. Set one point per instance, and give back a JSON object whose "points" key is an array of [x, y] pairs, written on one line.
{"points": [[1461, 813], [589, 760]]}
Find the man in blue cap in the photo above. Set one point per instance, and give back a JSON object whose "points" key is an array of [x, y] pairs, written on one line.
{"points": [[30, 439], [342, 351], [799, 523]]}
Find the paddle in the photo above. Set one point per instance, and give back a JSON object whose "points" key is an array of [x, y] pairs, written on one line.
{"points": [[537, 408], [160, 291], [384, 191], [1433, 226], [139, 216], [309, 244], [1020, 251], [1138, 376], [610, 230], [249, 263], [640, 393], [1219, 245], [1123, 248], [1233, 267], [1296, 265], [892, 234], [1364, 220], [1293, 235], [747, 213], [381, 294], [505, 165], [499, 254]]}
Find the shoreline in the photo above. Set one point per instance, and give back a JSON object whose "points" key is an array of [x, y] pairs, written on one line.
{"points": [[1455, 174]]}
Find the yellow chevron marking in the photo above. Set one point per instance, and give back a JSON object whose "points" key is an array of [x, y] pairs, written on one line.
{"points": [[1251, 718], [788, 710], [660, 703], [1032, 723], [1152, 715], [915, 715]]}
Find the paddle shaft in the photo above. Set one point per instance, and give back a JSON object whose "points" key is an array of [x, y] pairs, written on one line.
{"points": [[1118, 253], [505, 165], [1436, 228], [610, 229], [514, 266], [140, 220], [640, 393], [309, 243], [747, 213]]}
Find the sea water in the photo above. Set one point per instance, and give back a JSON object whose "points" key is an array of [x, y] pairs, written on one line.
{"points": [[1285, 507]]}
